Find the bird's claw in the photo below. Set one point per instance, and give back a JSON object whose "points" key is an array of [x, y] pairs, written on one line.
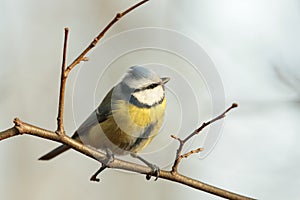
{"points": [[155, 172]]}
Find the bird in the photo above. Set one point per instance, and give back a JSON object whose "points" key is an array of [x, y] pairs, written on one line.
{"points": [[128, 118]]}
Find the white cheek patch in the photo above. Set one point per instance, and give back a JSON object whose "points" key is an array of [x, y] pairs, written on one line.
{"points": [[150, 96]]}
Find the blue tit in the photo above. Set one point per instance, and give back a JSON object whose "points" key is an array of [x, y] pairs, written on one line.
{"points": [[128, 118]]}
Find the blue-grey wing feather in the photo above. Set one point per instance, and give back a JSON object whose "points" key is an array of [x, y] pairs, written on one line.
{"points": [[99, 115]]}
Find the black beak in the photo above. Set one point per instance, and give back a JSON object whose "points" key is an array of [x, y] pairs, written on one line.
{"points": [[165, 80]]}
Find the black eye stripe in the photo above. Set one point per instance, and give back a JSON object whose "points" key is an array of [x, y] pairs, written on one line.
{"points": [[154, 85], [151, 86]]}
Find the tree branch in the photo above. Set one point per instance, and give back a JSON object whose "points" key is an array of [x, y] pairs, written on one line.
{"points": [[8, 133], [25, 128], [101, 34], [63, 79], [179, 156]]}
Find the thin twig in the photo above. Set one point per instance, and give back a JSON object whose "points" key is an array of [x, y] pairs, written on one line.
{"points": [[191, 152], [101, 34], [65, 71], [61, 105], [94, 176], [179, 155]]}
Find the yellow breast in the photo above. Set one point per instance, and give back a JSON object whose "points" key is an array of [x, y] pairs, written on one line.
{"points": [[129, 122], [144, 116]]}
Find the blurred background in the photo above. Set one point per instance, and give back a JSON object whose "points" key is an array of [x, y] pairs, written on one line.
{"points": [[255, 48]]}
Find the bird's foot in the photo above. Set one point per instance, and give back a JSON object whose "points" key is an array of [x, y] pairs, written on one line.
{"points": [[109, 158]]}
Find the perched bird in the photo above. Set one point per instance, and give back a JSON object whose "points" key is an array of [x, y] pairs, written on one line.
{"points": [[127, 119]]}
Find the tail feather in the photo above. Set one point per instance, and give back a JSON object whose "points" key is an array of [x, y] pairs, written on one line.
{"points": [[55, 152]]}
